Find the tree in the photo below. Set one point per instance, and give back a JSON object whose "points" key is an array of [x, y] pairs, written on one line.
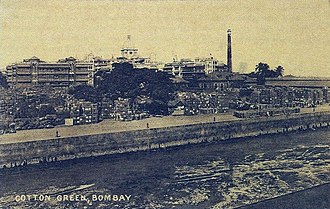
{"points": [[88, 93], [126, 82], [46, 110], [263, 71], [279, 70], [3, 80], [262, 68], [24, 109]]}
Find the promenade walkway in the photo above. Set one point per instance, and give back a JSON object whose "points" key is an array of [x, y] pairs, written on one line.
{"points": [[110, 126]]}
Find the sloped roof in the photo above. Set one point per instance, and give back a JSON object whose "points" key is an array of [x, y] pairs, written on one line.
{"points": [[179, 80], [175, 103], [34, 58], [223, 76]]}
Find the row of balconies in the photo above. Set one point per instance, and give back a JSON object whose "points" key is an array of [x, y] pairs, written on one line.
{"points": [[30, 79], [50, 72]]}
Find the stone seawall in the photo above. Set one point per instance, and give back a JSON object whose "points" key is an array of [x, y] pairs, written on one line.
{"points": [[57, 149]]}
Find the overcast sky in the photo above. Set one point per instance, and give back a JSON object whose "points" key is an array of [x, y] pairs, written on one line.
{"points": [[291, 33]]}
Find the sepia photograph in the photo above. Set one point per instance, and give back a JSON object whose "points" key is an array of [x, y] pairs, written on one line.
{"points": [[164, 104]]}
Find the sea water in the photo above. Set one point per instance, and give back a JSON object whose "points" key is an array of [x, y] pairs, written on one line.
{"points": [[226, 174]]}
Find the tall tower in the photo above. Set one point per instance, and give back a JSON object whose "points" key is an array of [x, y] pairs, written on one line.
{"points": [[229, 61]]}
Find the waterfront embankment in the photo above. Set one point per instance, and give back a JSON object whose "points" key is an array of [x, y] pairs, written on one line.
{"points": [[111, 126], [19, 153]]}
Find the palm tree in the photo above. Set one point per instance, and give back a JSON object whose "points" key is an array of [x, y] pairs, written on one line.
{"points": [[262, 68], [262, 71], [279, 71]]}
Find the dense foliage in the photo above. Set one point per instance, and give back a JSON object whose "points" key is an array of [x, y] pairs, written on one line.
{"points": [[3, 81], [126, 82], [263, 71], [85, 92]]}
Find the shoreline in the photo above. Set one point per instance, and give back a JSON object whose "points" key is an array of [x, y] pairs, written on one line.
{"points": [[111, 126], [132, 167], [61, 149], [50, 164]]}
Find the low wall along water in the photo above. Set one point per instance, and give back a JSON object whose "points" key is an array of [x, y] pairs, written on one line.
{"points": [[57, 149]]}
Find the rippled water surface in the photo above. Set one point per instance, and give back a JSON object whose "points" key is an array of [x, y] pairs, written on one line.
{"points": [[221, 175]]}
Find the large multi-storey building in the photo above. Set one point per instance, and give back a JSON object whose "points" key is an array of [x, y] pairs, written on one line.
{"points": [[187, 68], [35, 72]]}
